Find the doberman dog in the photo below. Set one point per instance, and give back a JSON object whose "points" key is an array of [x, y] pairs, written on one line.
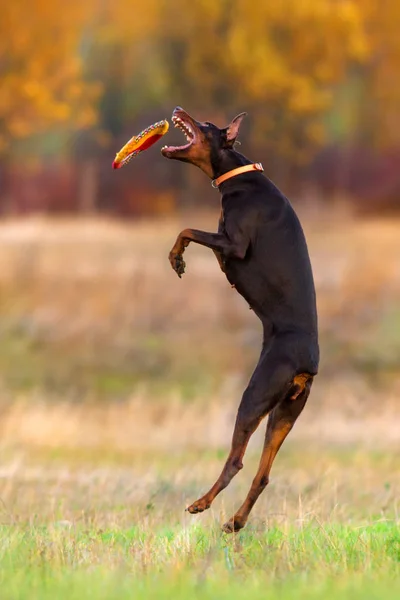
{"points": [[261, 248]]}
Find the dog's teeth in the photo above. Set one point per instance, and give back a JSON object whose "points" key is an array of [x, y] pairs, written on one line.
{"points": [[177, 121]]}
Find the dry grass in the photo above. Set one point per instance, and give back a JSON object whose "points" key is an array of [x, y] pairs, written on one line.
{"points": [[120, 488], [116, 412], [92, 309], [137, 424], [106, 350]]}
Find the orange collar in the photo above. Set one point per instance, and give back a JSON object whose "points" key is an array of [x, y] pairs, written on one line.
{"points": [[253, 167]]}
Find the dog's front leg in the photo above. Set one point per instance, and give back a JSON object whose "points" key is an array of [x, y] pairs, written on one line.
{"points": [[218, 242]]}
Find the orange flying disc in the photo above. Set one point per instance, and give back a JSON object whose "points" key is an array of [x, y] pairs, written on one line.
{"points": [[138, 143]]}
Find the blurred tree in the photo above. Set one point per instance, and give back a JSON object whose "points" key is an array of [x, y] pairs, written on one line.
{"points": [[118, 50], [277, 59], [378, 120], [104, 68], [40, 68]]}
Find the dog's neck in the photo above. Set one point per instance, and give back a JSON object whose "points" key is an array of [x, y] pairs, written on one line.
{"points": [[228, 160]]}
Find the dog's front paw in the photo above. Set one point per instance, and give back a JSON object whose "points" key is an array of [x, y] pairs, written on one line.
{"points": [[177, 263]]}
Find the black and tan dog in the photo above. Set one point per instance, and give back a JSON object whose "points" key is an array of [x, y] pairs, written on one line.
{"points": [[261, 248]]}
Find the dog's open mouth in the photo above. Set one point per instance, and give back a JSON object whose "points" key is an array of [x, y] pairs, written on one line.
{"points": [[186, 127]]}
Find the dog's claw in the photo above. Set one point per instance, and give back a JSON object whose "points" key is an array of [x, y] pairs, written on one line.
{"points": [[177, 263], [232, 526], [198, 507]]}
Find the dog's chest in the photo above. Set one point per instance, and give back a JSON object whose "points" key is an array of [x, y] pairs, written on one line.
{"points": [[221, 222]]}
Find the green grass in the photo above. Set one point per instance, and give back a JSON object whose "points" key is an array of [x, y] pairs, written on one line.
{"points": [[88, 525], [315, 561]]}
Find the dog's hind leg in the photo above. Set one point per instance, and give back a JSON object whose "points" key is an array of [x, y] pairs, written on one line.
{"points": [[280, 422], [244, 428], [265, 389]]}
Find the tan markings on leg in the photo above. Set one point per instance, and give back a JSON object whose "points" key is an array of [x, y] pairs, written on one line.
{"points": [[273, 442], [280, 422], [231, 468], [300, 382]]}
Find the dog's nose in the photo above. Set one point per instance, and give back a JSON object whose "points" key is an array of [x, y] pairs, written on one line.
{"points": [[178, 108]]}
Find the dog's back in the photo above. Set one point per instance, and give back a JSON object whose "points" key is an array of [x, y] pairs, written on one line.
{"points": [[275, 277]]}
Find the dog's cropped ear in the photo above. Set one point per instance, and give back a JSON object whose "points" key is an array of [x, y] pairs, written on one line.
{"points": [[231, 132]]}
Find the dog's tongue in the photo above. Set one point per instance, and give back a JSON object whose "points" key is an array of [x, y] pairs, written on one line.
{"points": [[171, 149]]}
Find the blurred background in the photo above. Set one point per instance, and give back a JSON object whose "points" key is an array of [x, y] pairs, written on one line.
{"points": [[318, 79], [102, 345]]}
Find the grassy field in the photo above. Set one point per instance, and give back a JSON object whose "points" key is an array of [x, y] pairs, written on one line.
{"points": [[112, 525], [117, 412]]}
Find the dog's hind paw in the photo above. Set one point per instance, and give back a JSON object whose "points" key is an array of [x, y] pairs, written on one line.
{"points": [[198, 506], [233, 525]]}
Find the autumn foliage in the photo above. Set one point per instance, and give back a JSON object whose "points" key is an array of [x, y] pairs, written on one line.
{"points": [[79, 78]]}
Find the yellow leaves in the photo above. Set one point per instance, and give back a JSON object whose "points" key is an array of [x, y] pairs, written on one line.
{"points": [[278, 59], [30, 89], [18, 127], [74, 90], [305, 99], [378, 120], [41, 71], [61, 112], [86, 117], [281, 58]]}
